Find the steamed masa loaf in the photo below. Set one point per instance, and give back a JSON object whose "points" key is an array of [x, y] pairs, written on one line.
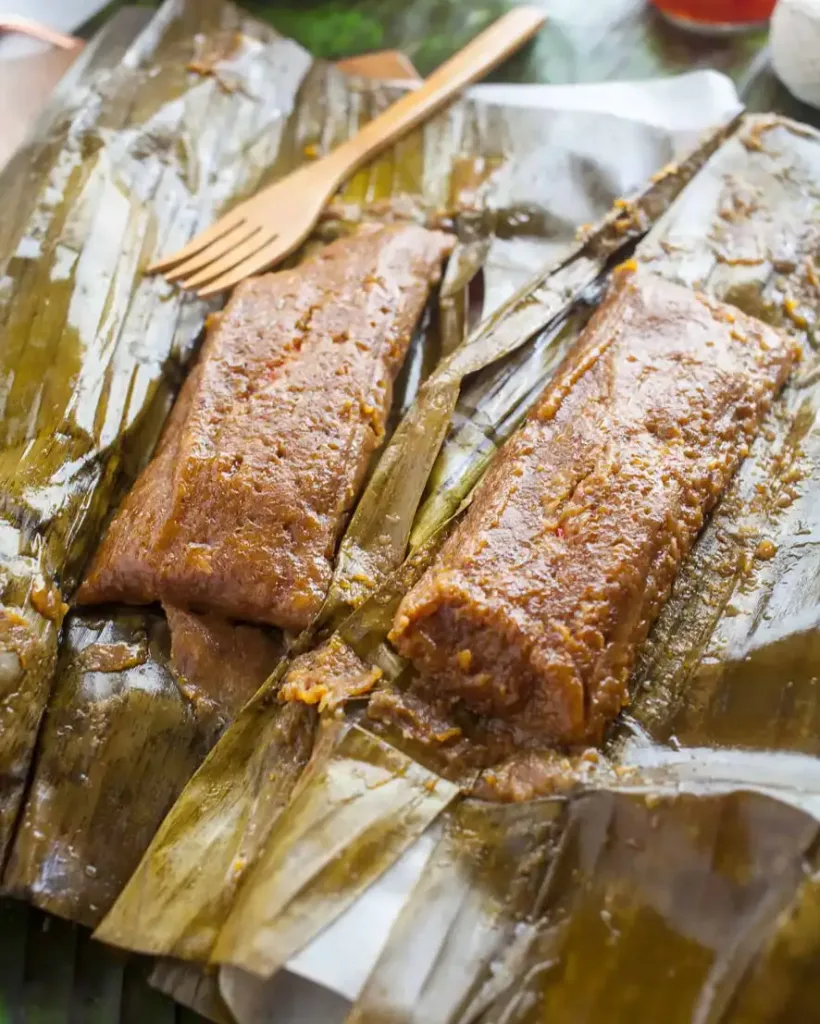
{"points": [[535, 607], [241, 510]]}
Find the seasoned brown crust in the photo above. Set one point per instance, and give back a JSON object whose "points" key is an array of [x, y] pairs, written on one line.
{"points": [[125, 566], [535, 606], [241, 510]]}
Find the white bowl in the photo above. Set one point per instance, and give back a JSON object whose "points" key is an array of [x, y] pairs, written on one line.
{"points": [[795, 45]]}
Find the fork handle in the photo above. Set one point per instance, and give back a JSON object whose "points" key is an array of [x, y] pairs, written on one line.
{"points": [[478, 57]]}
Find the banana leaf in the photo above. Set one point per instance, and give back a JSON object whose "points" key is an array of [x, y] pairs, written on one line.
{"points": [[633, 887], [782, 984], [525, 338], [241, 802], [189, 181], [134, 160], [147, 136], [729, 661], [119, 734], [709, 686], [365, 786], [24, 687], [641, 905], [483, 879], [694, 860]]}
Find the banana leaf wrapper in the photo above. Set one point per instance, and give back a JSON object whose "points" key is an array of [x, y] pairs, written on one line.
{"points": [[730, 661], [380, 788], [708, 969], [136, 159], [31, 612], [782, 984], [188, 70], [632, 886], [519, 345], [100, 788], [484, 877], [692, 855], [466, 140]]}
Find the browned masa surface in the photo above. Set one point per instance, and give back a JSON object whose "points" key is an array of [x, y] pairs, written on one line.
{"points": [[221, 664], [534, 608], [241, 509]]}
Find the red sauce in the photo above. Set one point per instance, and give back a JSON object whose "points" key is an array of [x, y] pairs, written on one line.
{"points": [[711, 13]]}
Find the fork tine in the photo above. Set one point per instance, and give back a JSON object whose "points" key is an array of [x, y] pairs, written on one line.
{"points": [[258, 240], [223, 227], [261, 260], [219, 250]]}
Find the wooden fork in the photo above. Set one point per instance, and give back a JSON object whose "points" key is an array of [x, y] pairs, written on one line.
{"points": [[269, 226]]}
